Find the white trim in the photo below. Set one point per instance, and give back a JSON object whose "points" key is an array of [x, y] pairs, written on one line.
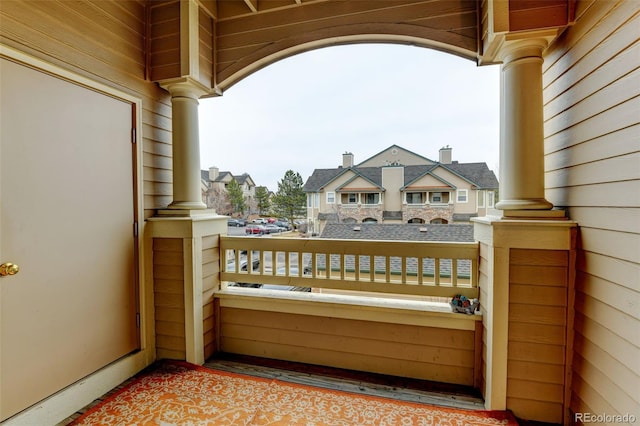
{"points": [[459, 193], [333, 197], [480, 198], [61, 405]]}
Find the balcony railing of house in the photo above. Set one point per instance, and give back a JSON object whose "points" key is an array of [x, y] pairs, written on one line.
{"points": [[439, 269]]}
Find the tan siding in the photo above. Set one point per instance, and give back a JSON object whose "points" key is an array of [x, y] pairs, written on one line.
{"points": [[537, 333], [412, 351], [210, 283], [483, 283], [168, 273], [164, 41], [250, 38], [206, 29], [592, 89], [105, 42]]}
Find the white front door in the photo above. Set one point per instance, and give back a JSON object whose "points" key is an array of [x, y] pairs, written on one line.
{"points": [[66, 219]]}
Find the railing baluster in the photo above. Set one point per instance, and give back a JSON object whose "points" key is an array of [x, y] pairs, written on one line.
{"points": [[314, 274], [372, 268], [387, 268], [404, 270], [400, 260], [287, 263], [327, 270], [454, 272]]}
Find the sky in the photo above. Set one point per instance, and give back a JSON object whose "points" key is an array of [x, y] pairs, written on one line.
{"points": [[305, 111]]}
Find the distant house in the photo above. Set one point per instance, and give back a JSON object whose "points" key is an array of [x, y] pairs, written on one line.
{"points": [[400, 186], [214, 187]]}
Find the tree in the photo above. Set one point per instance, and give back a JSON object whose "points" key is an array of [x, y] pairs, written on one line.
{"points": [[236, 197], [290, 201], [262, 200]]}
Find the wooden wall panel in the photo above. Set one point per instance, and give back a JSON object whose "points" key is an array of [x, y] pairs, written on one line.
{"points": [[534, 14], [210, 283], [538, 295], [247, 38], [206, 49], [168, 274], [104, 41], [592, 127], [442, 355]]}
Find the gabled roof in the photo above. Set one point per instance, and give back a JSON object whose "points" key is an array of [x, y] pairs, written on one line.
{"points": [[226, 175], [358, 175], [320, 178], [477, 174], [428, 172], [398, 148]]}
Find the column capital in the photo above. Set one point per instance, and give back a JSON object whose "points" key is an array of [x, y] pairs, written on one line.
{"points": [[522, 48], [185, 87]]}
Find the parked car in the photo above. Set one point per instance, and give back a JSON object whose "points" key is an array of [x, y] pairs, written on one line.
{"points": [[256, 229], [234, 222], [260, 220], [272, 229], [243, 267], [282, 224]]}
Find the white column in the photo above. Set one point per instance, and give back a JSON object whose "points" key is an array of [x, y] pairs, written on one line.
{"points": [[186, 145], [521, 128]]}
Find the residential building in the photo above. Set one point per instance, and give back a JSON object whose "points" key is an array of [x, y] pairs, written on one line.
{"points": [[116, 261], [214, 188], [399, 186]]}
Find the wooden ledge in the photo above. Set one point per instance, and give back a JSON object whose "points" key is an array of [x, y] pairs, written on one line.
{"points": [[421, 313]]}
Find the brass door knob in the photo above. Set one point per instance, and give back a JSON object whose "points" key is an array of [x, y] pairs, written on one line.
{"points": [[9, 269]]}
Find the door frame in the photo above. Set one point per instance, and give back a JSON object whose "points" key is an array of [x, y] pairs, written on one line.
{"points": [[62, 404]]}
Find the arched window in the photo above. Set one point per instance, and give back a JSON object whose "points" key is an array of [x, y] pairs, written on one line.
{"points": [[415, 220], [439, 221], [369, 220]]}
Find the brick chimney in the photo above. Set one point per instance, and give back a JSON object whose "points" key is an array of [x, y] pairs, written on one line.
{"points": [[445, 155], [347, 160]]}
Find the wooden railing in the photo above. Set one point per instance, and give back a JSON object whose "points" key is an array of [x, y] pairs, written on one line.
{"points": [[395, 267]]}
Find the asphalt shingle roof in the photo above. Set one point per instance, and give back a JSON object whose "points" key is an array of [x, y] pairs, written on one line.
{"points": [[477, 173], [399, 231]]}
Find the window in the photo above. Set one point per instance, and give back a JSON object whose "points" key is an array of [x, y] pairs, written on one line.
{"points": [[436, 197], [349, 198], [331, 197], [439, 221], [313, 200], [414, 198], [490, 199], [480, 198], [371, 198], [462, 196]]}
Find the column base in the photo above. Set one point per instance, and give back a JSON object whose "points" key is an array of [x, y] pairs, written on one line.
{"points": [[187, 205], [524, 204], [534, 214], [184, 212]]}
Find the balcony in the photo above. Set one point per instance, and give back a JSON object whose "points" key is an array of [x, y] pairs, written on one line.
{"points": [[380, 307]]}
